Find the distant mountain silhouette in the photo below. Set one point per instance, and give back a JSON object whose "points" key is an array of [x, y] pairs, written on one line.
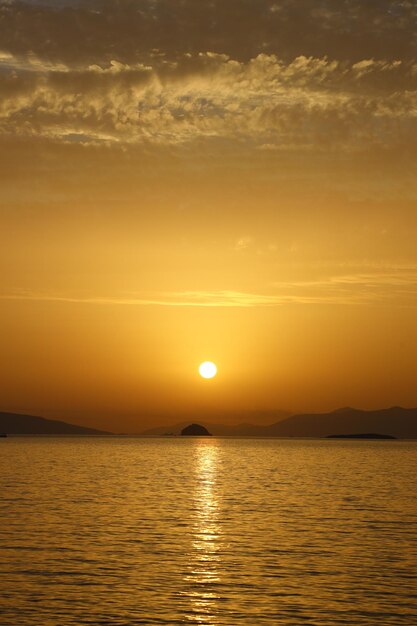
{"points": [[19, 424], [222, 430], [246, 428], [395, 421]]}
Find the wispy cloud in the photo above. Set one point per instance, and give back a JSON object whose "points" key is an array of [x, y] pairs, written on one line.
{"points": [[391, 284], [220, 298], [242, 243], [390, 278], [375, 288]]}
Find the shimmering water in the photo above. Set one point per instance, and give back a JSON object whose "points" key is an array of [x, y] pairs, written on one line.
{"points": [[129, 531]]}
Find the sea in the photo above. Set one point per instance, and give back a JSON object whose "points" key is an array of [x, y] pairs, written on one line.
{"points": [[125, 531]]}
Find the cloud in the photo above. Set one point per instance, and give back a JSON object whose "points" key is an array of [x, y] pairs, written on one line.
{"points": [[221, 298], [397, 284], [266, 75], [94, 31], [264, 102], [242, 243], [393, 285]]}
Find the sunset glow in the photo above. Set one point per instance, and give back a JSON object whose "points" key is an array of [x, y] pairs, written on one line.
{"points": [[208, 304], [189, 178]]}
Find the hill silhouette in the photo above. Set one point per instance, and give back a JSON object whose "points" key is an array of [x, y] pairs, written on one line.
{"points": [[395, 421], [253, 424], [220, 430], [20, 424]]}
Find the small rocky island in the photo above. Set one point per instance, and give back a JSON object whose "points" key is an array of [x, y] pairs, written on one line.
{"points": [[362, 436], [195, 430]]}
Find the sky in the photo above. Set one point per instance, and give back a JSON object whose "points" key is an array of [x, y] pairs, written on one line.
{"points": [[191, 180]]}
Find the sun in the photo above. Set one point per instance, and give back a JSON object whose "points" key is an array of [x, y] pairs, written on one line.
{"points": [[207, 369]]}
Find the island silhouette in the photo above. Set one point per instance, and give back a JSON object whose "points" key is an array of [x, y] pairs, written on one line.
{"points": [[195, 430], [361, 436], [397, 422]]}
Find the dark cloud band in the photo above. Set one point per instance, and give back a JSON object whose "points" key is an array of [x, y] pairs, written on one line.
{"points": [[96, 31]]}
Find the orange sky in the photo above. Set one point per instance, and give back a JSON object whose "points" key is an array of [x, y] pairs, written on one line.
{"points": [[189, 181]]}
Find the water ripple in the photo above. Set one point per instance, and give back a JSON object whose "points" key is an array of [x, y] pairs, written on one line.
{"points": [[127, 531]]}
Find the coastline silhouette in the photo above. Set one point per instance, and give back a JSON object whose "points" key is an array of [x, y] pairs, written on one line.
{"points": [[394, 422]]}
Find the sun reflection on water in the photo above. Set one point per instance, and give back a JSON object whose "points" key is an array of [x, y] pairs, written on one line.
{"points": [[203, 577]]}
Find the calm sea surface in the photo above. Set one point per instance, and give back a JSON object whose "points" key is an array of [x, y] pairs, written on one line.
{"points": [[129, 531]]}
